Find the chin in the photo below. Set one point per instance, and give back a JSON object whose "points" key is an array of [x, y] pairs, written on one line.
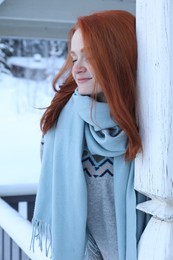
{"points": [[84, 92]]}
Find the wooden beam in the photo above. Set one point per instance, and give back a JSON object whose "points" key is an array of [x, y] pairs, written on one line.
{"points": [[49, 19], [34, 29], [154, 169]]}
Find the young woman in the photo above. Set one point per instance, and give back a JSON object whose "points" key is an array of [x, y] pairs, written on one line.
{"points": [[86, 202]]}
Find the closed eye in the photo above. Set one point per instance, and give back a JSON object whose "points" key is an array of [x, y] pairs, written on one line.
{"points": [[73, 56]]}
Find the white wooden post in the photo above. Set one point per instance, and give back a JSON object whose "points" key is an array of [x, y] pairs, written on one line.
{"points": [[154, 171]]}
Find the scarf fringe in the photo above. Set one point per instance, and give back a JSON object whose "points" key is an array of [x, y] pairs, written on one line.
{"points": [[42, 233]]}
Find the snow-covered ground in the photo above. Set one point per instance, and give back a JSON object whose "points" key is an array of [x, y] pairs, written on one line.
{"points": [[19, 127]]}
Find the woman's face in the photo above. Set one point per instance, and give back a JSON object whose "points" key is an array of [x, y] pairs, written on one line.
{"points": [[82, 71]]}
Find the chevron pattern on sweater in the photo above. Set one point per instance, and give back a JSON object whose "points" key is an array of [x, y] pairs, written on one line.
{"points": [[96, 169]]}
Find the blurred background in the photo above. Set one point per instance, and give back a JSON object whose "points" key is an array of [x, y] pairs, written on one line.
{"points": [[27, 68]]}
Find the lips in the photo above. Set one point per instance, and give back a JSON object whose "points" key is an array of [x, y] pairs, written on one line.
{"points": [[83, 80]]}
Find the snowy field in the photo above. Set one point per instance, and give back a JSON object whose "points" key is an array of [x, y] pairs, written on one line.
{"points": [[19, 127]]}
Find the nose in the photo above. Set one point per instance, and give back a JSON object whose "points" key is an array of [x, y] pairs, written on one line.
{"points": [[79, 67]]}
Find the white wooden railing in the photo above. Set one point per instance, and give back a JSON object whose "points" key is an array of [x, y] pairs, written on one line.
{"points": [[17, 199], [19, 230]]}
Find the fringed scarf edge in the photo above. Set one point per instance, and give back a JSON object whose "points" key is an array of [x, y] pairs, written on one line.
{"points": [[42, 232]]}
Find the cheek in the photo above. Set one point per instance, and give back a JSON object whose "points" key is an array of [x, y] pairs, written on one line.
{"points": [[73, 74], [90, 70]]}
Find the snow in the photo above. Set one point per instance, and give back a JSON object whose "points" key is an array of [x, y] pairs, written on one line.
{"points": [[35, 62], [20, 133]]}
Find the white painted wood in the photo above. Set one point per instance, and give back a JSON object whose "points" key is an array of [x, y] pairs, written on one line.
{"points": [[18, 189], [156, 242], [20, 230], [50, 19], [154, 169], [158, 208]]}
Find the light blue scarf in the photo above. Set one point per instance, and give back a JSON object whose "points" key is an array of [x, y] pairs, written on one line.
{"points": [[61, 204]]}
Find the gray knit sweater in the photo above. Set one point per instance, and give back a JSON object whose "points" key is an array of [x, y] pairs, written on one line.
{"points": [[101, 221]]}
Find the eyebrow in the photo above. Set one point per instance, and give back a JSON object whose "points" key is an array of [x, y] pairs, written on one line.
{"points": [[73, 53]]}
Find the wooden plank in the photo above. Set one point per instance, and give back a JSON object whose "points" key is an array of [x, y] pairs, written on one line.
{"points": [[7, 247], [49, 19], [11, 221], [15, 252], [154, 169], [1, 244]]}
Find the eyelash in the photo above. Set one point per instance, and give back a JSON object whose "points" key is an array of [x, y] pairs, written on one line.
{"points": [[74, 60]]}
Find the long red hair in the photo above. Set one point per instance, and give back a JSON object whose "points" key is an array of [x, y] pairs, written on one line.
{"points": [[110, 43]]}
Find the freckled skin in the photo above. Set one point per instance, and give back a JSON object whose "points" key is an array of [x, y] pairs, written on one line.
{"points": [[82, 71]]}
